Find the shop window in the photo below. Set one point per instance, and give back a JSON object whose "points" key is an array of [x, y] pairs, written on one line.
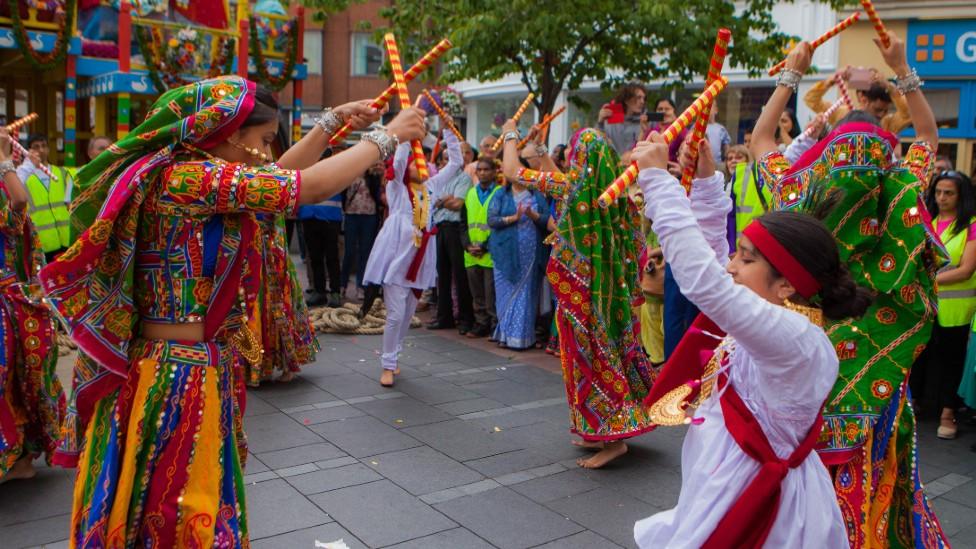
{"points": [[492, 113], [313, 52], [367, 56], [945, 106]]}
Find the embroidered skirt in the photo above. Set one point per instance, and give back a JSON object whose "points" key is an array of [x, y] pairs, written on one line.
{"points": [[162, 460]]}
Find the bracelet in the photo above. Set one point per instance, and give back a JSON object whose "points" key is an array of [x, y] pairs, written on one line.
{"points": [[541, 149], [330, 122], [790, 78], [6, 167], [908, 83], [509, 136], [386, 142]]}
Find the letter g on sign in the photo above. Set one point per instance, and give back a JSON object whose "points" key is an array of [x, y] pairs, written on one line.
{"points": [[966, 47]]}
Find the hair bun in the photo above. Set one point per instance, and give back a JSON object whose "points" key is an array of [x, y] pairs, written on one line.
{"points": [[843, 298]]}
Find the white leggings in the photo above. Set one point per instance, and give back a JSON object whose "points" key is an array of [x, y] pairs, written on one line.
{"points": [[401, 304]]}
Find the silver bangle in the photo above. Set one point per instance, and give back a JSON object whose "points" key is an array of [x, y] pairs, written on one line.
{"points": [[330, 122], [510, 135], [908, 83], [541, 149], [386, 142], [6, 167], [790, 78]]}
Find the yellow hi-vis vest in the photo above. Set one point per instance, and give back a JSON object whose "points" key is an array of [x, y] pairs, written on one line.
{"points": [[957, 302], [478, 229], [48, 208], [748, 204]]}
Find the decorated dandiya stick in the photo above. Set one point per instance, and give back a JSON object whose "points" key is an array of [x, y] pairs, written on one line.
{"points": [[542, 127], [719, 52], [444, 118], [21, 122], [821, 39], [420, 66], [401, 86], [516, 117], [627, 178], [843, 93], [25, 153], [808, 132], [877, 22]]}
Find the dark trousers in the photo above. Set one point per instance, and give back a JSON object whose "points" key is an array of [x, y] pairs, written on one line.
{"points": [[481, 280], [450, 270], [679, 313], [360, 234], [322, 247], [938, 370]]}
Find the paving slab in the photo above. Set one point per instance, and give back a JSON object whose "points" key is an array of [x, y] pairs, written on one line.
{"points": [[963, 494], [507, 519], [36, 532], [422, 470], [308, 395], [347, 386], [461, 440], [403, 412], [610, 513], [299, 455], [555, 487], [275, 507], [509, 462], [323, 415], [46, 495], [381, 513], [513, 392], [432, 390], [364, 436], [458, 538], [584, 540], [477, 357], [333, 479], [276, 431], [954, 517], [470, 405], [257, 406], [307, 537]]}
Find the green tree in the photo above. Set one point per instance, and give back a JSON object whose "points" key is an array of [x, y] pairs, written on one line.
{"points": [[556, 45]]}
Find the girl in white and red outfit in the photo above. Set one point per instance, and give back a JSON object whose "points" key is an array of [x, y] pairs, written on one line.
{"points": [[396, 262], [750, 477]]}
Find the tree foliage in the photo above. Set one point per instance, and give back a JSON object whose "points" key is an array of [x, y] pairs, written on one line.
{"points": [[556, 45]]}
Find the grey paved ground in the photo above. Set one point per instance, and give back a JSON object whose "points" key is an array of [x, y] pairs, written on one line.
{"points": [[470, 450]]}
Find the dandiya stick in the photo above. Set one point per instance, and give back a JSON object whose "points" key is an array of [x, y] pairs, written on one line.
{"points": [[619, 186], [516, 117], [877, 22], [844, 95], [21, 122], [401, 86], [420, 66], [543, 126], [25, 153], [719, 52], [826, 114], [446, 119], [823, 38]]}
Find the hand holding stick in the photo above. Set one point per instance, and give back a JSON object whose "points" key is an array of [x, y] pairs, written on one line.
{"points": [[518, 114], [444, 117], [701, 124], [543, 127], [401, 87], [876, 21]]}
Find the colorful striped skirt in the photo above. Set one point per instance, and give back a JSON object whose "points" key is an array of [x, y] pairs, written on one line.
{"points": [[161, 465]]}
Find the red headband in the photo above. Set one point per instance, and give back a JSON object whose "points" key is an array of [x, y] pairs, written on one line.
{"points": [[782, 260]]}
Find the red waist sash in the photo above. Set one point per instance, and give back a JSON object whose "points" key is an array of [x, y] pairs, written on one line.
{"points": [[418, 257]]}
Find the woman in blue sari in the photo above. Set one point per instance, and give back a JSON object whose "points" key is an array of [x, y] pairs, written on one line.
{"points": [[517, 217]]}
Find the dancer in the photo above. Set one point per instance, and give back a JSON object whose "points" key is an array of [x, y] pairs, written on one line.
{"points": [[156, 293], [403, 259], [32, 404], [869, 423], [750, 477], [594, 272]]}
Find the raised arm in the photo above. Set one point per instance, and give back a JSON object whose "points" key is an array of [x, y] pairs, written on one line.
{"points": [[764, 134], [15, 185], [455, 162], [896, 57], [308, 150]]}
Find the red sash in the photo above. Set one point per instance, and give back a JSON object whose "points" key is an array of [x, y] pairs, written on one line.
{"points": [[748, 522], [418, 257]]}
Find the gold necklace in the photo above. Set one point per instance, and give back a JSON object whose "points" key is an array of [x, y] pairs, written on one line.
{"points": [[814, 314]]}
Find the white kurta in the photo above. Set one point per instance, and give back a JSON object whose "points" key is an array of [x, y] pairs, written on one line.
{"points": [[394, 249], [782, 366]]}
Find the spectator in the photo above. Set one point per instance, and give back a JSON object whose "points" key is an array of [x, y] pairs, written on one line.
{"points": [[623, 118], [876, 100], [97, 145], [558, 156], [669, 112], [49, 198], [737, 154], [362, 220], [787, 130], [718, 137], [321, 225], [450, 254], [518, 217], [484, 148], [477, 260], [942, 164], [747, 137]]}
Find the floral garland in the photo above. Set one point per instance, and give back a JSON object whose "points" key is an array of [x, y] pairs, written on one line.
{"points": [[167, 60], [276, 83], [451, 101], [56, 57]]}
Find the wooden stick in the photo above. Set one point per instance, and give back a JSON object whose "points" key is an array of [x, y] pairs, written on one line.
{"points": [[518, 115], [719, 52], [401, 86], [20, 122], [808, 132], [823, 38], [877, 22], [446, 119], [844, 95], [420, 66], [542, 127], [627, 178]]}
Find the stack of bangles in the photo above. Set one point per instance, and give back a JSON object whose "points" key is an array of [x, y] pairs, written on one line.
{"points": [[790, 78], [908, 83]]}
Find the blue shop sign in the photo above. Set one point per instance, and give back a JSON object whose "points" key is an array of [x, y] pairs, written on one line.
{"points": [[943, 48]]}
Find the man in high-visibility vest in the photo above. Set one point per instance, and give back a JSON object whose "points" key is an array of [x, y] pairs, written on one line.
{"points": [[749, 202], [474, 238], [48, 197]]}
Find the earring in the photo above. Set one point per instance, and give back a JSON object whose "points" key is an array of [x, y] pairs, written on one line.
{"points": [[251, 151]]}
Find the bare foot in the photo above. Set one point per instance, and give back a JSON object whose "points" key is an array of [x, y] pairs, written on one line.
{"points": [[387, 378], [612, 451], [591, 444], [397, 371], [286, 376], [23, 469]]}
